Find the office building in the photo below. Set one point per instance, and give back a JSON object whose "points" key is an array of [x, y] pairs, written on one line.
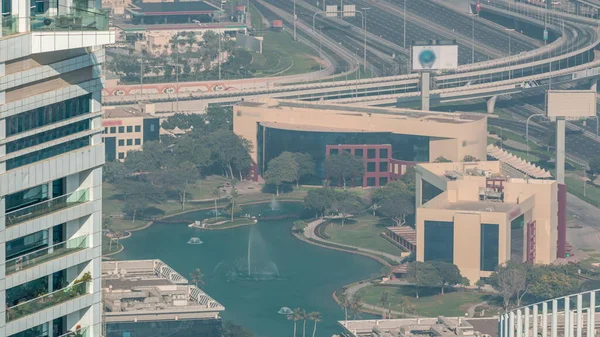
{"points": [[148, 298], [127, 129], [51, 154], [478, 215], [388, 139]]}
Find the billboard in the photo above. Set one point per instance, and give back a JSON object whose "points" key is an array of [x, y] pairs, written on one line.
{"points": [[331, 10], [349, 10], [571, 104], [434, 57]]}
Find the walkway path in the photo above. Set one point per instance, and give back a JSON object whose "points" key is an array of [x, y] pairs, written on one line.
{"points": [[310, 232]]}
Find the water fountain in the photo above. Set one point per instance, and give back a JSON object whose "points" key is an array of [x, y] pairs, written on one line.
{"points": [[274, 204], [195, 241]]}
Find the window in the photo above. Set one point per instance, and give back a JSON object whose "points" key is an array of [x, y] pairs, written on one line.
{"points": [[121, 142], [428, 191], [130, 128], [121, 155], [383, 166], [47, 153], [439, 241], [113, 129], [106, 130], [517, 239], [358, 153], [152, 128], [371, 166], [138, 128], [129, 142], [383, 181], [348, 151], [371, 181], [58, 187], [47, 115], [121, 129], [333, 151], [383, 153], [489, 247], [138, 141], [371, 153], [26, 198], [26, 244], [47, 136]]}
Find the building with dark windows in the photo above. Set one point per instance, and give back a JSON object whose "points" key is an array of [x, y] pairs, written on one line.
{"points": [[51, 157], [159, 12], [127, 129], [388, 139], [147, 298], [478, 215]]}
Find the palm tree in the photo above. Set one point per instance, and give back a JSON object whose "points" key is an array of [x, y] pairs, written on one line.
{"points": [[216, 193], [197, 277], [295, 316], [233, 197], [344, 302], [316, 317], [384, 300], [355, 305], [305, 316]]}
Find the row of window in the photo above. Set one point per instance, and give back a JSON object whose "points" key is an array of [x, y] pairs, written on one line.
{"points": [[47, 136], [372, 166], [48, 114], [371, 153], [34, 195], [47, 153], [130, 128], [130, 142]]}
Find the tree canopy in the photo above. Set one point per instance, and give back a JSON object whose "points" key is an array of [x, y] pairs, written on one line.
{"points": [[395, 200], [344, 167], [281, 169]]}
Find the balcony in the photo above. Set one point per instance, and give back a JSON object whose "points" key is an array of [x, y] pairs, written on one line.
{"points": [[9, 25], [47, 301], [46, 254], [81, 332], [47, 207], [74, 19]]}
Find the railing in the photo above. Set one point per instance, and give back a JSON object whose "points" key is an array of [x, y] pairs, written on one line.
{"points": [[46, 207], [75, 19], [9, 25], [47, 301], [82, 332], [46, 254]]}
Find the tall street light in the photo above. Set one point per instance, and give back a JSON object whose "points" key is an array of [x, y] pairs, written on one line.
{"points": [[404, 29], [295, 19], [365, 9], [473, 37], [509, 30]]}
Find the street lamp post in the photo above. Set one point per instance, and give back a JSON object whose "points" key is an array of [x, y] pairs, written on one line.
{"points": [[219, 56], [404, 28], [473, 38], [509, 30], [365, 9], [295, 19], [527, 131]]}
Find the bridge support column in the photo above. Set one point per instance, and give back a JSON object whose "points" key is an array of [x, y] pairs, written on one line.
{"points": [[577, 8], [425, 84], [594, 85], [491, 104]]}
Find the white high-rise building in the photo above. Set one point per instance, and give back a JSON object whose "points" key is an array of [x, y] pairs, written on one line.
{"points": [[51, 154]]}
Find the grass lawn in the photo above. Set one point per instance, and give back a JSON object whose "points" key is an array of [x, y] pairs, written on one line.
{"points": [[430, 303], [364, 232], [256, 18]]}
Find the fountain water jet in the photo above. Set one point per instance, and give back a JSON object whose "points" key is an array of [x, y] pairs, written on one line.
{"points": [[274, 204]]}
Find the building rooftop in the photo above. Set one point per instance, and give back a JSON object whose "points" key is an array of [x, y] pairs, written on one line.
{"points": [[426, 326], [476, 206], [125, 112], [173, 8], [150, 290], [440, 117]]}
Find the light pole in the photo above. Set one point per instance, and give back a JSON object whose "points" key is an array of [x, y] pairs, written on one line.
{"points": [[365, 9], [527, 131], [509, 30], [219, 56], [473, 38], [404, 28], [295, 17]]}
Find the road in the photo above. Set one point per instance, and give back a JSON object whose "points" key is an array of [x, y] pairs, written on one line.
{"points": [[586, 215]]}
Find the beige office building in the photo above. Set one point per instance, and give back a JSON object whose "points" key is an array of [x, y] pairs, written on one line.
{"points": [[127, 128], [274, 126], [477, 216]]}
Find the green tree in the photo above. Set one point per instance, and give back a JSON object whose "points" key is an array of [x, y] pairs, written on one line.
{"points": [[197, 277], [229, 151], [184, 121], [306, 165], [316, 317], [480, 284], [594, 164], [449, 275], [216, 194], [295, 316], [299, 226], [422, 274], [233, 206], [346, 204], [319, 200], [139, 195], [178, 178], [281, 169], [384, 300], [395, 201], [219, 118], [511, 280], [305, 317], [344, 301], [549, 282], [409, 178], [189, 149], [355, 306], [344, 167], [441, 159], [230, 329], [153, 157], [113, 171]]}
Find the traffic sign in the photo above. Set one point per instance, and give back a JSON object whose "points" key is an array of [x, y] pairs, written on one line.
{"points": [[545, 34]]}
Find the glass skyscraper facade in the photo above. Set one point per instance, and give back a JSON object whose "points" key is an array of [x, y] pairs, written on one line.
{"points": [[51, 154]]}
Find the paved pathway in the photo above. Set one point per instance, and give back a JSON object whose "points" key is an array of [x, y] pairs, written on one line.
{"points": [[310, 230], [587, 216]]}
